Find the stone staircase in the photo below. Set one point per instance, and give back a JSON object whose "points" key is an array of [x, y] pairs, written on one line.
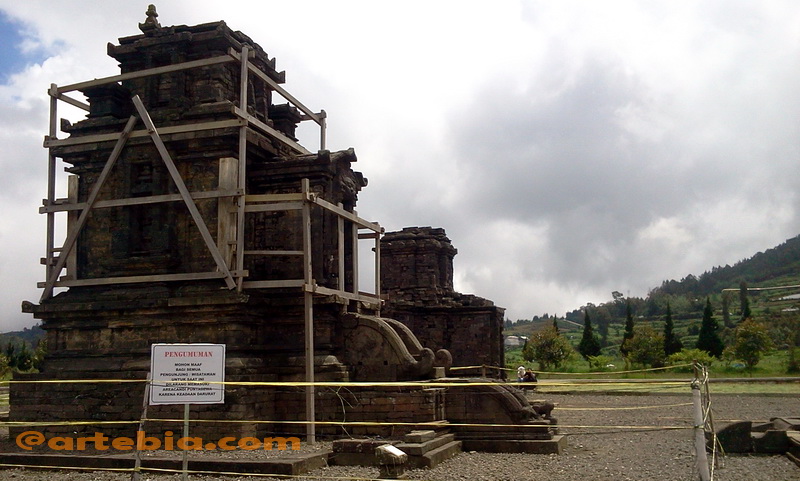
{"points": [[425, 449], [428, 448]]}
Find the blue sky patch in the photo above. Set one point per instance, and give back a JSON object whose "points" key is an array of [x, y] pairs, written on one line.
{"points": [[12, 58]]}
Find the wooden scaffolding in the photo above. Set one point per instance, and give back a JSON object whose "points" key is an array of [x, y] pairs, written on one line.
{"points": [[228, 248]]}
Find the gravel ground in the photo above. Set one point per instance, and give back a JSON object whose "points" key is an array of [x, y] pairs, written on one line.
{"points": [[600, 447]]}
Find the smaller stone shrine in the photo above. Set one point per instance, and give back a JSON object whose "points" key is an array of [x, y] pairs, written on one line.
{"points": [[417, 287]]}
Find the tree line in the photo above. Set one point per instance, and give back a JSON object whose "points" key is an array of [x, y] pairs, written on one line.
{"points": [[17, 356], [642, 344]]}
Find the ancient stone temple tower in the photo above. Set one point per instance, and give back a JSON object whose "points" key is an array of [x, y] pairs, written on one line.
{"points": [[194, 215]]}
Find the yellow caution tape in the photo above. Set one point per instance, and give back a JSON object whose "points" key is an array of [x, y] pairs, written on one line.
{"points": [[631, 408], [263, 475], [62, 423], [422, 384], [74, 468]]}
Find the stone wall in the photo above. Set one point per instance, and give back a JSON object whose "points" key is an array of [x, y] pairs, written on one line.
{"points": [[391, 409]]}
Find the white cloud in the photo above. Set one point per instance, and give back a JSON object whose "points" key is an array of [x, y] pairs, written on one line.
{"points": [[568, 148]]}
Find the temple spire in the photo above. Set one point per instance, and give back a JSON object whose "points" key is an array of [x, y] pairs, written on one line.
{"points": [[151, 22]]}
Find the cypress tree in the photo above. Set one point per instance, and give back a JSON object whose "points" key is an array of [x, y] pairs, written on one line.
{"points": [[671, 342], [744, 301], [623, 348], [726, 310], [708, 339], [589, 345], [555, 324]]}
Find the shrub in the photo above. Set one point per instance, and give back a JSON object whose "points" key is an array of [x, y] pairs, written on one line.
{"points": [[793, 362], [600, 363], [751, 342], [688, 356], [4, 367], [548, 348], [646, 347]]}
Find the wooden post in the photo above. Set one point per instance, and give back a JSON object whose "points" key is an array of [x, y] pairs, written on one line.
{"points": [[699, 433], [323, 125], [354, 231], [186, 436], [340, 246], [137, 465], [308, 301], [72, 218], [378, 268], [242, 168], [51, 190], [227, 234]]}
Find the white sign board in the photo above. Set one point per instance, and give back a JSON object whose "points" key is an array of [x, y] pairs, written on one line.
{"points": [[187, 373]]}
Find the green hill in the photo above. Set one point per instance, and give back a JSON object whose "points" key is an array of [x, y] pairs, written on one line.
{"points": [[777, 266], [771, 279], [28, 336]]}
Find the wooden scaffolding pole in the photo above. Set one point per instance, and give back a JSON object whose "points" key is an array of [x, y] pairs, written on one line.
{"points": [[308, 302], [340, 247], [242, 181], [354, 258], [51, 189], [377, 269], [323, 127]]}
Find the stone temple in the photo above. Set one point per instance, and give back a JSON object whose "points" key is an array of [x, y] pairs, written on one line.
{"points": [[194, 215]]}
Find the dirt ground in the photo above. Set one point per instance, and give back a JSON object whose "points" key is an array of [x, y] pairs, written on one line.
{"points": [[609, 437]]}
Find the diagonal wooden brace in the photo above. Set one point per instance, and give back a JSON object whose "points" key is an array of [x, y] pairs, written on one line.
{"points": [[76, 230], [184, 192]]}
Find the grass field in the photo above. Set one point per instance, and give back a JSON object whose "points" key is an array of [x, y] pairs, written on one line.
{"points": [[576, 376], [773, 364], [667, 387]]}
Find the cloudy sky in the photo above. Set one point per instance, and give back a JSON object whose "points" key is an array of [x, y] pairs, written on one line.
{"points": [[569, 148]]}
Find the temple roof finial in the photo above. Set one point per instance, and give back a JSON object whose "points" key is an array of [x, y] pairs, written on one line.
{"points": [[151, 23]]}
